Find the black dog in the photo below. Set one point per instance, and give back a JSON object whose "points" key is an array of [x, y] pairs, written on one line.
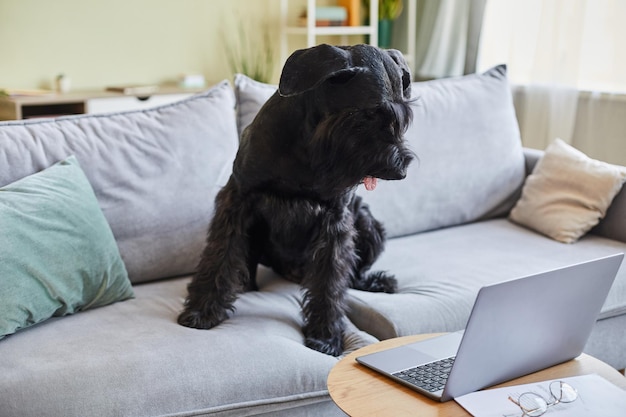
{"points": [[337, 120]]}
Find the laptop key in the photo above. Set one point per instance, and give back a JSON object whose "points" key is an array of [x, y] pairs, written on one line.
{"points": [[432, 376]]}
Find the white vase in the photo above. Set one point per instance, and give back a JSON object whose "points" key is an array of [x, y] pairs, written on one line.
{"points": [[63, 84]]}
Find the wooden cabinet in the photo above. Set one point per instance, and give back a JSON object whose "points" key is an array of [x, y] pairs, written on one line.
{"points": [[92, 102], [48, 105]]}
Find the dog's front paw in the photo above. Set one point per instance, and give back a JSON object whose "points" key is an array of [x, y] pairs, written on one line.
{"points": [[198, 320], [332, 346], [378, 281]]}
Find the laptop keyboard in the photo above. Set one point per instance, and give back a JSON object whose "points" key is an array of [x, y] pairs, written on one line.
{"points": [[432, 376]]}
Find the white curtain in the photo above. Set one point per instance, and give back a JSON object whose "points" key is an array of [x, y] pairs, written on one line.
{"points": [[446, 40], [567, 62], [441, 39]]}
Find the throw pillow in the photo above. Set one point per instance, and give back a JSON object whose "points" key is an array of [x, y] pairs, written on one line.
{"points": [[155, 172], [251, 95], [567, 193], [58, 253]]}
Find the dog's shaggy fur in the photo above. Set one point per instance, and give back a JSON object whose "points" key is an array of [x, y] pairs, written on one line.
{"points": [[337, 121]]}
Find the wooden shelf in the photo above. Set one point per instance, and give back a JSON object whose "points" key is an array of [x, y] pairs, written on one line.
{"points": [[52, 110], [330, 30], [80, 102]]}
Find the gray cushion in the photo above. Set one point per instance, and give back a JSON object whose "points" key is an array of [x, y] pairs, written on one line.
{"points": [[58, 255], [440, 273], [135, 360], [155, 172], [470, 161], [251, 95], [465, 134]]}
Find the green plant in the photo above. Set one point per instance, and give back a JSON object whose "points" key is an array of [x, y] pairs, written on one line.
{"points": [[387, 9], [254, 59], [3, 93]]}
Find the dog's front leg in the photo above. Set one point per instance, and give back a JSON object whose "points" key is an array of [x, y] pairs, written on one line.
{"points": [[370, 242], [326, 280], [223, 271]]}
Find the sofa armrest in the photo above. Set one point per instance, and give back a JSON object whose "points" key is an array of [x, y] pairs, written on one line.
{"points": [[532, 156], [613, 226]]}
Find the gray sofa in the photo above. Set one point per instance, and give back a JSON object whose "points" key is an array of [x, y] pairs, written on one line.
{"points": [[154, 174]]}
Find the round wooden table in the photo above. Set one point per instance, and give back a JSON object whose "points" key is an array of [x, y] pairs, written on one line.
{"points": [[359, 391]]}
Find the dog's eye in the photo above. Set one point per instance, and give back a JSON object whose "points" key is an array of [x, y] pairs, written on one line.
{"points": [[406, 84], [406, 80]]}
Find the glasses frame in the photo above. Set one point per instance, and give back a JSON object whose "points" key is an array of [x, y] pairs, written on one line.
{"points": [[539, 399]]}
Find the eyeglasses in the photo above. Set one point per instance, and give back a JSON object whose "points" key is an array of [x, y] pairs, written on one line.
{"points": [[534, 405]]}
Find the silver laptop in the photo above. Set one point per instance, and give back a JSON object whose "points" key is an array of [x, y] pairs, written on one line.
{"points": [[516, 328]]}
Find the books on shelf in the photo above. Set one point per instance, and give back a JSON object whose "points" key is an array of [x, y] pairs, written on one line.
{"points": [[327, 16], [134, 89], [353, 8]]}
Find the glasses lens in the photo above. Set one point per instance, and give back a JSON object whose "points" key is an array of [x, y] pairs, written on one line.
{"points": [[563, 392], [532, 404]]}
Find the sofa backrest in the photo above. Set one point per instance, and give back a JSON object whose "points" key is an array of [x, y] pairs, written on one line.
{"points": [[155, 172], [470, 162]]}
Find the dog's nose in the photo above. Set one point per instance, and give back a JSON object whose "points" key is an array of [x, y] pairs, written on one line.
{"points": [[405, 158], [397, 164], [397, 173], [401, 174]]}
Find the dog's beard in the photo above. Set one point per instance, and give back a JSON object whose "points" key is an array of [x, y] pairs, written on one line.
{"points": [[360, 146]]}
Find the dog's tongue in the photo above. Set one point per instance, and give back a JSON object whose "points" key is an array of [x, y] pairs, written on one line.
{"points": [[370, 183]]}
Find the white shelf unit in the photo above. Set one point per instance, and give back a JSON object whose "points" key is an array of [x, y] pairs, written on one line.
{"points": [[311, 31]]}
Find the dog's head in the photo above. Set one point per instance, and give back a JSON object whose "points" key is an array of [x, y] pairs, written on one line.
{"points": [[357, 111], [337, 120]]}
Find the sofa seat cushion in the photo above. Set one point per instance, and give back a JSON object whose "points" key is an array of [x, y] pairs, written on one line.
{"points": [[132, 358], [440, 273], [155, 172]]}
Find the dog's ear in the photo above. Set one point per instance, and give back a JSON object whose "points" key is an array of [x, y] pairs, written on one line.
{"points": [[305, 69], [406, 72]]}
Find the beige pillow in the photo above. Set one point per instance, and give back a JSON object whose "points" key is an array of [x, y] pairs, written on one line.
{"points": [[567, 193]]}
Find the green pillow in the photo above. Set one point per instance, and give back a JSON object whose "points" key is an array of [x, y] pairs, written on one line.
{"points": [[58, 255]]}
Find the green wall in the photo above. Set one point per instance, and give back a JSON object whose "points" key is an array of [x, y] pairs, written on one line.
{"points": [[103, 42]]}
